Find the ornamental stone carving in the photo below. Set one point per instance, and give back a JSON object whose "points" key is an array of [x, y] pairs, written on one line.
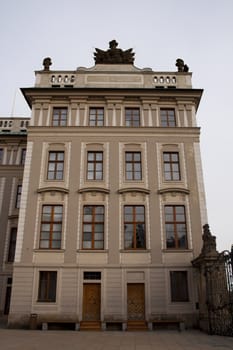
{"points": [[114, 55]]}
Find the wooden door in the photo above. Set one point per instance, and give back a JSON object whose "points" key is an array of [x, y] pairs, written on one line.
{"points": [[91, 302], [136, 301]]}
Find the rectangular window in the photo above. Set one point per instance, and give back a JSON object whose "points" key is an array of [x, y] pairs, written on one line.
{"points": [[167, 117], [51, 227], [175, 224], [12, 245], [171, 166], [23, 156], [133, 168], [59, 117], [95, 165], [132, 117], [92, 275], [96, 116], [47, 286], [18, 196], [93, 227], [179, 286], [134, 227], [55, 165], [1, 155]]}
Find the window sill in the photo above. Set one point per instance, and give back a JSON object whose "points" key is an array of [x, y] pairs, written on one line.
{"points": [[135, 250], [43, 250], [92, 250], [174, 250]]}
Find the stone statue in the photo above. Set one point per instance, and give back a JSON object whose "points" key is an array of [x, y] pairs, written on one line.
{"points": [[209, 242], [114, 55], [181, 66], [47, 63]]}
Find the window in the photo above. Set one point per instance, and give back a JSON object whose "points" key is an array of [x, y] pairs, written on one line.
{"points": [[132, 117], [55, 165], [93, 227], [133, 166], [1, 155], [179, 286], [95, 165], [92, 275], [59, 116], [51, 227], [96, 117], [18, 196], [175, 223], [12, 245], [171, 166], [23, 156], [134, 226], [47, 286], [167, 117]]}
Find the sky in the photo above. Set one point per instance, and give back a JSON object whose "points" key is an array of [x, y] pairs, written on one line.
{"points": [[159, 31]]}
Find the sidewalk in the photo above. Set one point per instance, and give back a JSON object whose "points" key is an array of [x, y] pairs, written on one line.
{"points": [[71, 340]]}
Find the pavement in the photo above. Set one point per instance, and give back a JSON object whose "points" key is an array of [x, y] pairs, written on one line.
{"points": [[112, 340]]}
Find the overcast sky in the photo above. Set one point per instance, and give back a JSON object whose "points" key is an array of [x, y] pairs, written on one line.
{"points": [[159, 31]]}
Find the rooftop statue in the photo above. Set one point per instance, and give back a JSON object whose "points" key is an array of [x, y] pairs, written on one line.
{"points": [[47, 63], [114, 55], [182, 67]]}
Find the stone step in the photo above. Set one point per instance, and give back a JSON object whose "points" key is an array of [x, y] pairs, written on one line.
{"points": [[90, 326], [137, 326]]}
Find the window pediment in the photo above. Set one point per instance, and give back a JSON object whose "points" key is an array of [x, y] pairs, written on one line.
{"points": [[94, 189], [52, 189], [173, 190], [133, 189]]}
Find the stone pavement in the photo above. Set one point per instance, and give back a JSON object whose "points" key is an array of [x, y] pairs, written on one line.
{"points": [[71, 340]]}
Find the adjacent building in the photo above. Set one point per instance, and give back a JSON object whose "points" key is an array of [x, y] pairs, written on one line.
{"points": [[13, 143], [113, 203]]}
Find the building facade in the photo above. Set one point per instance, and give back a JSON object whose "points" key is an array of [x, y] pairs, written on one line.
{"points": [[13, 143], [113, 201]]}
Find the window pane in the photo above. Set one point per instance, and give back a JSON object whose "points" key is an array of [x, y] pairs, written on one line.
{"points": [[179, 286], [99, 156], [56, 245], [98, 236], [98, 245], [87, 245], [44, 244], [99, 227], [87, 228], [90, 156]]}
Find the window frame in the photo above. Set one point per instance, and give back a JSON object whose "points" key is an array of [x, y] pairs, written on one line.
{"points": [[1, 155], [12, 245], [132, 119], [179, 288], [18, 196], [23, 156], [167, 123], [52, 224], [134, 224], [56, 163], [96, 113], [92, 223], [174, 223], [61, 116], [95, 162], [133, 164], [50, 287], [171, 164]]}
